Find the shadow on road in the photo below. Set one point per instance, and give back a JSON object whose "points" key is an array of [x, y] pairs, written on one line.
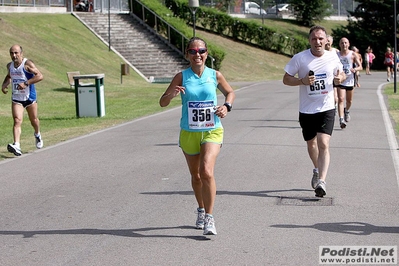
{"points": [[112, 232], [352, 228], [262, 193]]}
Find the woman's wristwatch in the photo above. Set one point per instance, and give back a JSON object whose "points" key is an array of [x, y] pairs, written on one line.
{"points": [[228, 105]]}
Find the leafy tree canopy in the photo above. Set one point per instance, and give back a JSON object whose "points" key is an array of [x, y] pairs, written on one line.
{"points": [[370, 25], [308, 12]]}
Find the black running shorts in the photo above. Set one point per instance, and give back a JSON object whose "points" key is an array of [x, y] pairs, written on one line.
{"points": [[348, 88], [312, 124]]}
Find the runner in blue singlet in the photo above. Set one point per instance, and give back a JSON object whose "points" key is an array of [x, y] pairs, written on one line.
{"points": [[201, 133], [22, 75]]}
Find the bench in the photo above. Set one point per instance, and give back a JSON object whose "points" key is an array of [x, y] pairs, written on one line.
{"points": [[71, 81]]}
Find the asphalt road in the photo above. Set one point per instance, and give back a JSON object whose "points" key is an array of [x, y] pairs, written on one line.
{"points": [[122, 196]]}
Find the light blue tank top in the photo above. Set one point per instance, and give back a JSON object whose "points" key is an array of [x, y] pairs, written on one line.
{"points": [[199, 100]]}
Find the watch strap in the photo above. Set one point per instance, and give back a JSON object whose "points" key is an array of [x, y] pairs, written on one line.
{"points": [[228, 106]]}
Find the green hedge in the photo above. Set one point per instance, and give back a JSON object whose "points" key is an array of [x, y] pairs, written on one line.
{"points": [[178, 14], [239, 29]]}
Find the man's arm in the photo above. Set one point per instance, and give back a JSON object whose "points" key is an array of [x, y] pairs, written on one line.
{"points": [[31, 68], [358, 64], [7, 80], [294, 81]]}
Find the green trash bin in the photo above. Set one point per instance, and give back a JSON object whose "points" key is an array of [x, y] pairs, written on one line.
{"points": [[89, 97]]}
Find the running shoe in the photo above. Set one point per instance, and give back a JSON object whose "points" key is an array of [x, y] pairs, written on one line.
{"points": [[388, 80], [199, 224], [14, 149], [342, 123], [209, 227], [320, 189], [315, 178], [39, 141], [347, 117]]}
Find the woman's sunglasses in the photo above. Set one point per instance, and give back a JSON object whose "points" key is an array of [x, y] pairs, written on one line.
{"points": [[195, 51]]}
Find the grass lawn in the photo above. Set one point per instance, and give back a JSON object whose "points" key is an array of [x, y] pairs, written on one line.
{"points": [[58, 44], [393, 105]]}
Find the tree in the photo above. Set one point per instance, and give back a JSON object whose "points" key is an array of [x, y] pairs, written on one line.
{"points": [[308, 12], [371, 24]]}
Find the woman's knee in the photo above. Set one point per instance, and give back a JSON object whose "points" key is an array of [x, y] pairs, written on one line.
{"points": [[196, 178], [206, 173]]}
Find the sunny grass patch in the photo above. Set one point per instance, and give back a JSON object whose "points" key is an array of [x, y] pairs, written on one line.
{"points": [[58, 44], [393, 105]]}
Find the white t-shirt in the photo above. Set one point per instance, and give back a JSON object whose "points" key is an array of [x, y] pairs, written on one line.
{"points": [[318, 97]]}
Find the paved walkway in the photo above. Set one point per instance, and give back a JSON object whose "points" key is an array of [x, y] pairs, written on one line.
{"points": [[122, 196]]}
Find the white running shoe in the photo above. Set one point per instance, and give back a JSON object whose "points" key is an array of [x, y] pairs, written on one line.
{"points": [[14, 149], [209, 227], [342, 123], [320, 189], [199, 224], [39, 141]]}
